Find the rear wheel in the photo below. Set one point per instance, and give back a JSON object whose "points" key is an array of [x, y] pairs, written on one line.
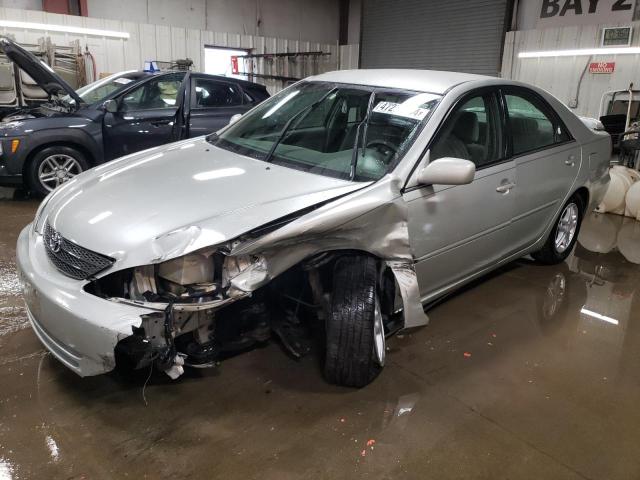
{"points": [[355, 348], [564, 234], [53, 166]]}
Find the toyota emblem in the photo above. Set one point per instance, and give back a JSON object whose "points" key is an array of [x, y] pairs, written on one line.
{"points": [[55, 241]]}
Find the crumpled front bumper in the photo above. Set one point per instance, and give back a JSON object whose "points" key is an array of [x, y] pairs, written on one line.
{"points": [[78, 328]]}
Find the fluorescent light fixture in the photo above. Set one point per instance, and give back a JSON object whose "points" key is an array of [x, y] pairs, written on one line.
{"points": [[599, 316], [63, 28], [280, 103], [581, 51], [99, 217], [222, 173]]}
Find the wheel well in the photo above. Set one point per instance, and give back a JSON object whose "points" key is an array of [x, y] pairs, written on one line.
{"points": [[583, 193], [39, 148]]}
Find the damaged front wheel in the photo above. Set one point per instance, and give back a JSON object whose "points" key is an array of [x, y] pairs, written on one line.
{"points": [[355, 348]]}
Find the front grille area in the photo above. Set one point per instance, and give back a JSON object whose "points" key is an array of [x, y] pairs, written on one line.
{"points": [[71, 259]]}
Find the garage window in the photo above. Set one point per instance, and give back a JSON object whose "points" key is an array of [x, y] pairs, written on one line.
{"points": [[209, 93], [532, 124]]}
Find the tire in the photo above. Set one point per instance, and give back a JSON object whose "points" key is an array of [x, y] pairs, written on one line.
{"points": [[354, 329], [555, 251], [57, 163]]}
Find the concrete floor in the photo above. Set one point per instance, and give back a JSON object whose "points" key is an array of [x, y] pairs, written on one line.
{"points": [[530, 373]]}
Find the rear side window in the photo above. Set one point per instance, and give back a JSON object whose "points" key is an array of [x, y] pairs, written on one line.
{"points": [[533, 125], [211, 93]]}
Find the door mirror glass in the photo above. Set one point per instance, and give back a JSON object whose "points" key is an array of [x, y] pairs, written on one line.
{"points": [[110, 106], [447, 171], [234, 118]]}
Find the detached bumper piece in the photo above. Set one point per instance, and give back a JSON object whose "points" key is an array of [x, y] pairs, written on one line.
{"points": [[73, 260]]}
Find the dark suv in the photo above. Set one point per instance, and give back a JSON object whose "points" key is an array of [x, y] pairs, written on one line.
{"points": [[72, 131]]}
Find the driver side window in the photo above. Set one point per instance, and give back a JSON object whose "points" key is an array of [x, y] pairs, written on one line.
{"points": [[161, 92], [472, 132]]}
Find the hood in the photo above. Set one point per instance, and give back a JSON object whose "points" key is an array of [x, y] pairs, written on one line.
{"points": [[170, 200], [41, 73]]}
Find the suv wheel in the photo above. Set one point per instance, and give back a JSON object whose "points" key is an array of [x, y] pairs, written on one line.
{"points": [[53, 166]]}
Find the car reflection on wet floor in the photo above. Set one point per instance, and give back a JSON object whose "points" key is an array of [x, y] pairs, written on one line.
{"points": [[529, 373]]}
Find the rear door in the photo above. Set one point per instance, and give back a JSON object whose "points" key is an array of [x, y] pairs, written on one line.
{"points": [[212, 104], [145, 116], [547, 161], [459, 230]]}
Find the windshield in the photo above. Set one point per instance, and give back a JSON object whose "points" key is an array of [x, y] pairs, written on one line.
{"points": [[97, 91], [344, 131]]}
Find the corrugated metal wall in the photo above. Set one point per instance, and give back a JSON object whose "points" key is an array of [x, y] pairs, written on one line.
{"points": [[457, 35], [560, 75], [165, 43], [349, 56]]}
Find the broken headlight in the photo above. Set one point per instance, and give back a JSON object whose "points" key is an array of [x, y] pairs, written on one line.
{"points": [[196, 277]]}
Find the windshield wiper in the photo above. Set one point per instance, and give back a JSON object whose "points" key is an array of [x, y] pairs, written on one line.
{"points": [[365, 122], [287, 126]]}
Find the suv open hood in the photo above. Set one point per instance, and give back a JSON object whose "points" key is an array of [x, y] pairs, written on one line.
{"points": [[41, 73]]}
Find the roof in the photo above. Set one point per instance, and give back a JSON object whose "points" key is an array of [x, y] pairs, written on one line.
{"points": [[432, 81]]}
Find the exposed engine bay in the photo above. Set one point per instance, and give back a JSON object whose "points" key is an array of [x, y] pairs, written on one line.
{"points": [[203, 313]]}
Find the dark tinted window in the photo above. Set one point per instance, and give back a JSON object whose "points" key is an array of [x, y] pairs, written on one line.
{"points": [[255, 93], [471, 132], [533, 126], [211, 93], [161, 92]]}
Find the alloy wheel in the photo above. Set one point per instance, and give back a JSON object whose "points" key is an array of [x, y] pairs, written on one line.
{"points": [[57, 169], [567, 226], [378, 334]]}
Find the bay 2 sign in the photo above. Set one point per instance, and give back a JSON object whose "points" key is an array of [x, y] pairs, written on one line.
{"points": [[557, 13], [602, 67]]}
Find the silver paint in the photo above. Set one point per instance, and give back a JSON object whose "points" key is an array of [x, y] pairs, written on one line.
{"points": [[168, 201]]}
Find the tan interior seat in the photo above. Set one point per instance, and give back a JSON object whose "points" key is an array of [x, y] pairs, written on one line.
{"points": [[30, 89], [8, 95]]}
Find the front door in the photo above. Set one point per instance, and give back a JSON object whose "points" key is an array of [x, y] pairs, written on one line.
{"points": [[213, 103], [547, 162], [456, 231], [145, 116]]}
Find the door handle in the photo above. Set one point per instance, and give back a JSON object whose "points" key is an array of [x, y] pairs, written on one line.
{"points": [[571, 161], [505, 187], [161, 122]]}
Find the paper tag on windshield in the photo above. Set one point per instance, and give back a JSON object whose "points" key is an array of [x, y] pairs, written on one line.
{"points": [[401, 110], [122, 80]]}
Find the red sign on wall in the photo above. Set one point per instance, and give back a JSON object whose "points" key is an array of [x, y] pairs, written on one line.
{"points": [[602, 67], [234, 65]]}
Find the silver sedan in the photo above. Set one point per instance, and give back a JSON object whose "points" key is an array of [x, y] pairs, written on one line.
{"points": [[344, 205]]}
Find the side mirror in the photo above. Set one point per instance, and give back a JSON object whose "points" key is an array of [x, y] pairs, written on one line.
{"points": [[110, 106], [235, 118], [447, 171]]}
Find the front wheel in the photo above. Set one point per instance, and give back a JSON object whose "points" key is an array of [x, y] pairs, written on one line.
{"points": [[564, 234], [53, 166], [355, 348]]}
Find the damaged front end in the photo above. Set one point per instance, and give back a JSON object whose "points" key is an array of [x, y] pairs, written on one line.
{"points": [[273, 281], [186, 295]]}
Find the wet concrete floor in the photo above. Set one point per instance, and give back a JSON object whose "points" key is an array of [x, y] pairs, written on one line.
{"points": [[530, 373]]}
